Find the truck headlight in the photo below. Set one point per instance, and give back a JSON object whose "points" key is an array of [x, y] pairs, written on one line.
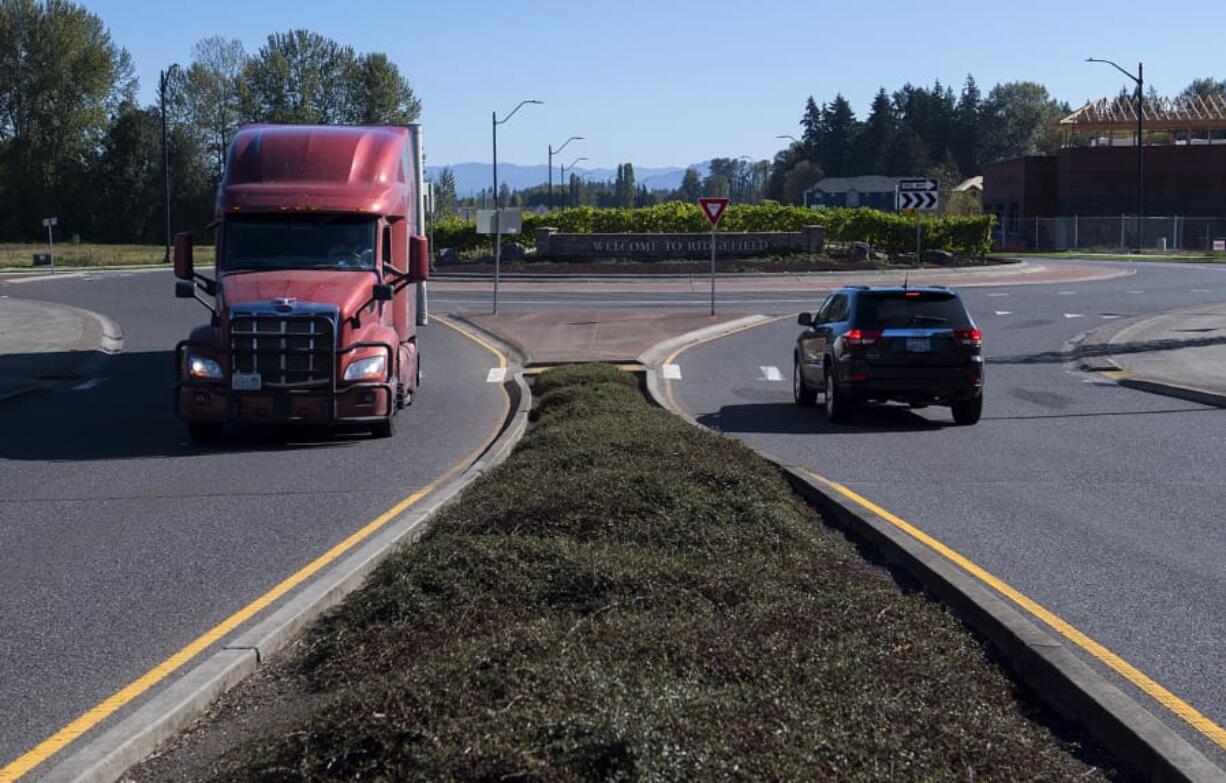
{"points": [[366, 369], [203, 368]]}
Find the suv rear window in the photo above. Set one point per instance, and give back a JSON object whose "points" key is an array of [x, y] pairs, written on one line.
{"points": [[909, 309]]}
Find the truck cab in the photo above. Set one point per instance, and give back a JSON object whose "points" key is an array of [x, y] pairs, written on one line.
{"points": [[321, 267]]}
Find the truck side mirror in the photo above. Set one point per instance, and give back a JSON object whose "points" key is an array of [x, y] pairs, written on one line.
{"points": [[419, 259], [805, 319], [183, 256], [185, 289], [383, 292]]}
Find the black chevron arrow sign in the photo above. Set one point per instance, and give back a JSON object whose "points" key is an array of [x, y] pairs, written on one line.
{"points": [[917, 194]]}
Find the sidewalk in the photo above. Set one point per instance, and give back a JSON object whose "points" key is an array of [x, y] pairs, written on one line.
{"points": [[1181, 354], [42, 344]]}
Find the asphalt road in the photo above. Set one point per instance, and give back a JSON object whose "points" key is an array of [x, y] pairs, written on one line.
{"points": [[120, 541], [1102, 503]]}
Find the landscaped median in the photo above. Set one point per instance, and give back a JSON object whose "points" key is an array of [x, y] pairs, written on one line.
{"points": [[631, 597]]}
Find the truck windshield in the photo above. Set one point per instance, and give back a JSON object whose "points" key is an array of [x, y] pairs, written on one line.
{"points": [[299, 242]]}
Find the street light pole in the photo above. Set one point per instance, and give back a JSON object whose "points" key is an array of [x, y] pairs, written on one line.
{"points": [[163, 80], [563, 177], [1139, 80], [494, 123], [553, 152]]}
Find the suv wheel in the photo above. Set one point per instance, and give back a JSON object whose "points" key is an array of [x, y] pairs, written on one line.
{"points": [[967, 412], [838, 407], [801, 393]]}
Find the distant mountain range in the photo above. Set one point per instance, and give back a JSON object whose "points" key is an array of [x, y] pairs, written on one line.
{"points": [[473, 177]]}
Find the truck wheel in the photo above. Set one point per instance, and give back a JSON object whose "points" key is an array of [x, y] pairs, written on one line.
{"points": [[801, 393], [385, 428], [205, 431], [967, 412], [838, 406]]}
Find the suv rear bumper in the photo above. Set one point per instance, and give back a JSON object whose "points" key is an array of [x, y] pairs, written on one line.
{"points": [[915, 385]]}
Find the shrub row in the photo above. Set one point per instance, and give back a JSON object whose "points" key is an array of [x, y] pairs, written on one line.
{"points": [[891, 232]]}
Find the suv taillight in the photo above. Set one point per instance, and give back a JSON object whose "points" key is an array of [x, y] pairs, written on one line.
{"points": [[862, 338], [971, 338]]}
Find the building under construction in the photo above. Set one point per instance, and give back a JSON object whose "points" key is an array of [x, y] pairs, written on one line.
{"points": [[1086, 194]]}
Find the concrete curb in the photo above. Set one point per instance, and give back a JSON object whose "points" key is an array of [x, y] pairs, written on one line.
{"points": [[101, 338], [133, 739], [1098, 341], [1011, 267], [1056, 674]]}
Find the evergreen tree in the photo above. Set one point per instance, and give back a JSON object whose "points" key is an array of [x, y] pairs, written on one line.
{"points": [[876, 137], [444, 194], [691, 186], [966, 140], [838, 137], [813, 127]]}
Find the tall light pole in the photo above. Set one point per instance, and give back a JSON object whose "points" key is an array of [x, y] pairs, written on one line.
{"points": [[1139, 80], [563, 176], [163, 81], [553, 152], [495, 122]]}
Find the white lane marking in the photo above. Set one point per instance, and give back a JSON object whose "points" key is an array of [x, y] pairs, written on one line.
{"points": [[496, 375], [997, 294], [1134, 292], [1004, 312], [672, 372], [1110, 316], [1067, 293], [771, 373], [1201, 291], [87, 385], [1074, 315]]}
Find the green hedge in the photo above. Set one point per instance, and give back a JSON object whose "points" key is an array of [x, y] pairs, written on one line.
{"points": [[891, 232]]}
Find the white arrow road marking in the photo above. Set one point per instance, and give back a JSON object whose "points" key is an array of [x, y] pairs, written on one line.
{"points": [[771, 373], [672, 372], [496, 375], [87, 385], [1074, 315]]}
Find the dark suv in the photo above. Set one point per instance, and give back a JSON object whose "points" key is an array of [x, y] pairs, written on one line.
{"points": [[913, 345]]}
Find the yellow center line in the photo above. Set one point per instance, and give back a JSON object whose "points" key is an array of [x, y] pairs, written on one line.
{"points": [[108, 706], [1170, 701], [1117, 664]]}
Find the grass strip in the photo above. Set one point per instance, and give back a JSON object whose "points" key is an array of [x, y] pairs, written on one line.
{"points": [[631, 598]]}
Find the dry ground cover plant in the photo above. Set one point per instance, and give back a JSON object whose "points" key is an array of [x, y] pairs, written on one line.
{"points": [[631, 598]]}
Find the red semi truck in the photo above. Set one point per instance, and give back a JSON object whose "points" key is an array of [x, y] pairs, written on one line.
{"points": [[321, 263]]}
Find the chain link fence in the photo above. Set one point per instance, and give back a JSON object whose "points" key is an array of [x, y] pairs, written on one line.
{"points": [[1159, 234]]}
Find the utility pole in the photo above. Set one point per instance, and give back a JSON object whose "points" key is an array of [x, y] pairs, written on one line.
{"points": [[1139, 80], [495, 122], [553, 152], [163, 80], [569, 200]]}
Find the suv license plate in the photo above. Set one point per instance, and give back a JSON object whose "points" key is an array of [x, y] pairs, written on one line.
{"points": [[919, 345], [246, 381]]}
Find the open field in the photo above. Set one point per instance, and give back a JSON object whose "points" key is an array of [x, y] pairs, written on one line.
{"points": [[21, 256], [630, 598]]}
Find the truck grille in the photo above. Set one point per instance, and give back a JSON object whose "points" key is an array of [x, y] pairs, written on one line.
{"points": [[288, 351]]}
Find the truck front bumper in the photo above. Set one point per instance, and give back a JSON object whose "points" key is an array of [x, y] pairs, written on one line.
{"points": [[356, 402]]}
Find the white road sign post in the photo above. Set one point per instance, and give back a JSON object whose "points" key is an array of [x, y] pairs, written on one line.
{"points": [[50, 223], [917, 195], [713, 210]]}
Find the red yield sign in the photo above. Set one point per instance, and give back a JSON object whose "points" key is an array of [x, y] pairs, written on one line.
{"points": [[713, 208]]}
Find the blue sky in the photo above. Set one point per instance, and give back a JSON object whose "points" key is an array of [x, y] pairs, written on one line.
{"points": [[672, 82]]}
